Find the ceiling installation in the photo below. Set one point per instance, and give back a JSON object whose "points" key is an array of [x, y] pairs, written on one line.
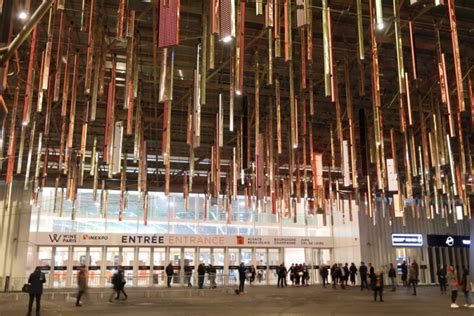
{"points": [[283, 101]]}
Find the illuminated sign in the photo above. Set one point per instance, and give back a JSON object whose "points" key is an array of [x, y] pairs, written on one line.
{"points": [[407, 240], [448, 241]]}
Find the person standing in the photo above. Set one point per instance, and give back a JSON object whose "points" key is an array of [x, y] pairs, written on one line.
{"points": [[392, 274], [376, 279], [466, 288], [412, 277], [453, 285], [212, 276], [442, 279], [281, 272], [242, 271], [353, 273], [169, 274], [188, 272], [334, 275], [345, 270], [35, 281], [324, 274], [201, 274], [81, 285], [363, 276], [291, 271], [404, 269]]}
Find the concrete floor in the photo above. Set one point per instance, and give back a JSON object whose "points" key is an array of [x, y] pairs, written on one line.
{"points": [[313, 300]]}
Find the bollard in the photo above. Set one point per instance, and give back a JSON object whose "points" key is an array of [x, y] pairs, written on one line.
{"points": [[7, 283]]}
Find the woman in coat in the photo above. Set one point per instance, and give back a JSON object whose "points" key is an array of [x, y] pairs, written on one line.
{"points": [[353, 273], [453, 285]]}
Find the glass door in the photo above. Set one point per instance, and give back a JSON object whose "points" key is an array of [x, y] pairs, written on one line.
{"points": [[159, 262], [189, 266], [233, 261], [128, 263], [79, 260], [95, 266], [218, 263], [273, 264], [144, 259], [205, 256], [112, 261], [61, 257], [175, 259], [45, 260], [262, 266]]}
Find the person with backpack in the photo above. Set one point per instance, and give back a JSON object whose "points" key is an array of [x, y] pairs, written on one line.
{"points": [[169, 274], [118, 282], [35, 289]]}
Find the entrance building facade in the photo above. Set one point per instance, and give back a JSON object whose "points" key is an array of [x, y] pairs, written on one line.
{"points": [[144, 257]]}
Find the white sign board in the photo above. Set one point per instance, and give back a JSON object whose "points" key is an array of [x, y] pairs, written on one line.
{"points": [[92, 239]]}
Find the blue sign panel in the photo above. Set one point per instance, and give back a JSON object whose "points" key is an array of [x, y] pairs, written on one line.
{"points": [[407, 240]]}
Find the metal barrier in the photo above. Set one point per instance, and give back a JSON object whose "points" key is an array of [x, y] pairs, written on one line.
{"points": [[153, 281]]}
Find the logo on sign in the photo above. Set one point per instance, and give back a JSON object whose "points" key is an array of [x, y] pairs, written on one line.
{"points": [[450, 241], [94, 237], [63, 238], [240, 240]]}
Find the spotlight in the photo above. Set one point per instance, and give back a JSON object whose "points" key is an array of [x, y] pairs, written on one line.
{"points": [[22, 15], [381, 25], [295, 145], [227, 39], [238, 92]]}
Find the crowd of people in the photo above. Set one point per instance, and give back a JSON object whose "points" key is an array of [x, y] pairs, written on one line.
{"points": [[341, 275]]}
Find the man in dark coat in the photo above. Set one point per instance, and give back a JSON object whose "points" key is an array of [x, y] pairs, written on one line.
{"points": [[281, 275], [242, 271], [118, 282], [324, 272], [169, 274], [36, 280], [404, 269], [201, 274], [363, 276]]}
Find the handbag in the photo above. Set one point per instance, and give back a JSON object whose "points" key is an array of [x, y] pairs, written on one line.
{"points": [[25, 288]]}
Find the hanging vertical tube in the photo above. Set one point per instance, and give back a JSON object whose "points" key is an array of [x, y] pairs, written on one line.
{"points": [[456, 55]]}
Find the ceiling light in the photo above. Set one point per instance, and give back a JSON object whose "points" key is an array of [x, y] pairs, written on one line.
{"points": [[22, 15], [238, 92], [380, 25], [295, 146], [227, 39]]}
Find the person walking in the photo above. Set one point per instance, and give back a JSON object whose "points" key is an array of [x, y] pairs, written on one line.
{"points": [[242, 276], [376, 279], [281, 272], [404, 269], [212, 276], [353, 273], [412, 277], [188, 272], [201, 274], [35, 290], [442, 278], [324, 272], [334, 276], [392, 274], [118, 282], [81, 285], [363, 276], [453, 285], [466, 288], [305, 275], [169, 274]]}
